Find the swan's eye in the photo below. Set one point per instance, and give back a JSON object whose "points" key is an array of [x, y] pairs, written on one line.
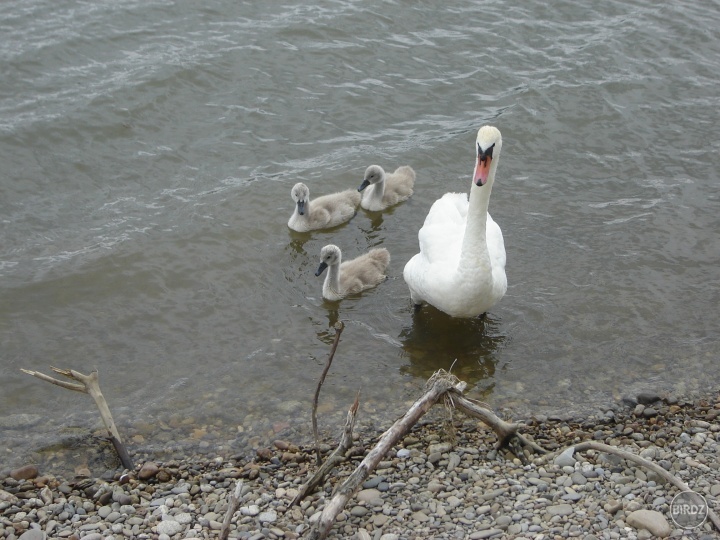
{"points": [[487, 153]]}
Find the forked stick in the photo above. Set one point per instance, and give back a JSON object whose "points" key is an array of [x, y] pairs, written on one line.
{"points": [[89, 384]]}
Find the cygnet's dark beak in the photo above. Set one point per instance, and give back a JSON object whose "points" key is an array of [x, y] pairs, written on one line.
{"points": [[321, 268], [365, 184], [301, 208]]}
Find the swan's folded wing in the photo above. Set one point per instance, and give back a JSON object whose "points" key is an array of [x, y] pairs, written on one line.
{"points": [[441, 235], [496, 244]]}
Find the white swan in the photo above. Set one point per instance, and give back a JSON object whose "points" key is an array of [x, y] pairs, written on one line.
{"points": [[350, 277], [461, 265], [384, 190], [324, 212]]}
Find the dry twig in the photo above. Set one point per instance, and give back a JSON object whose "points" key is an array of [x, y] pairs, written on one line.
{"points": [[90, 384], [233, 504], [338, 330], [337, 457]]}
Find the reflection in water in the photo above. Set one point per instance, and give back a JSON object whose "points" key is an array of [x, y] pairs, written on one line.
{"points": [[333, 315], [376, 221], [297, 242], [467, 347]]}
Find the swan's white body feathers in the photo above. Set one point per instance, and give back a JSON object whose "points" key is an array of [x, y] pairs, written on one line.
{"points": [[461, 265]]}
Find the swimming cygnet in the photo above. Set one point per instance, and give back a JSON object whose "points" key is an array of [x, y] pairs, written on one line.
{"points": [[384, 190], [351, 277], [324, 212]]}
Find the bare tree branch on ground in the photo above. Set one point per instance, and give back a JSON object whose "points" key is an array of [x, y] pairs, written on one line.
{"points": [[334, 459], [90, 384]]}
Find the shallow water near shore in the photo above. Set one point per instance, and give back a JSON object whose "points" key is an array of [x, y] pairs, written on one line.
{"points": [[148, 153]]}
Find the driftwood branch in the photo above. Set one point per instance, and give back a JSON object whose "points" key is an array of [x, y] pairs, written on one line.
{"points": [[508, 436], [398, 430], [338, 330], [90, 384], [232, 508], [643, 462], [337, 457]]}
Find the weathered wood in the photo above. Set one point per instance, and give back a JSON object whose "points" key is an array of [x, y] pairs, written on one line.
{"points": [[507, 433], [90, 384], [398, 430], [643, 462], [233, 505], [337, 457]]}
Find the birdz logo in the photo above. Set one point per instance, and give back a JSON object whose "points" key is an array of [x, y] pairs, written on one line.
{"points": [[688, 510]]}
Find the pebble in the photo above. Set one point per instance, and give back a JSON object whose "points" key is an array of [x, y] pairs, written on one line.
{"points": [[566, 459], [430, 489], [650, 520], [170, 527]]}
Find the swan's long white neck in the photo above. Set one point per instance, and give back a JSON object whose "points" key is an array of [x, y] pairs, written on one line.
{"points": [[474, 253]]}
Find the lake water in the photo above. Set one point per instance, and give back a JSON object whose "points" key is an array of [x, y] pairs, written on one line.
{"points": [[148, 149]]}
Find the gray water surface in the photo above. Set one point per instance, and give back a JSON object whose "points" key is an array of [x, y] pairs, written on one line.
{"points": [[148, 150]]}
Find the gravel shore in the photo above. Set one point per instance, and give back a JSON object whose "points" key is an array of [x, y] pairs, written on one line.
{"points": [[442, 482]]}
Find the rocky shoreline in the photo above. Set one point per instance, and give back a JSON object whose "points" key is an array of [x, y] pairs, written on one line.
{"points": [[443, 481]]}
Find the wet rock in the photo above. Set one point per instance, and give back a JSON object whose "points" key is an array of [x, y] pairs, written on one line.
{"points": [[148, 471], [649, 412], [648, 398], [27, 472]]}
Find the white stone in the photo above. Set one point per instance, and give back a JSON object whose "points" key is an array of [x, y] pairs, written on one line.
{"points": [[268, 517], [439, 448], [252, 510], [183, 518], [560, 510], [651, 520], [367, 495], [170, 527], [566, 459], [362, 534]]}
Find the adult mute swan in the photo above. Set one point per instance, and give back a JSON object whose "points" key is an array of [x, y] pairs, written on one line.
{"points": [[324, 212], [350, 277], [384, 190], [461, 265]]}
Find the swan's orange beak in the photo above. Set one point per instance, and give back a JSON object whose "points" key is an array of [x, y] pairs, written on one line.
{"points": [[482, 169]]}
